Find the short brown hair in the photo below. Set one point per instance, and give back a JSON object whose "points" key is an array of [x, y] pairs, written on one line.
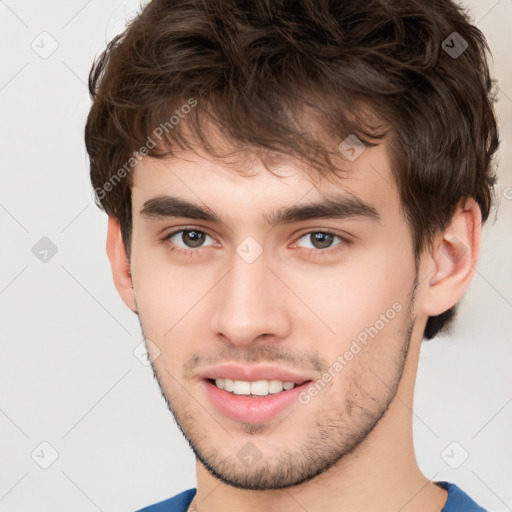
{"points": [[252, 67]]}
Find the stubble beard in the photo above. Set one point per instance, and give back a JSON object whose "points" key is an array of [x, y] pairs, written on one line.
{"points": [[333, 435]]}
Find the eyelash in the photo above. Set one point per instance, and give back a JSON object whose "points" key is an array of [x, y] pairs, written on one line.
{"points": [[315, 252]]}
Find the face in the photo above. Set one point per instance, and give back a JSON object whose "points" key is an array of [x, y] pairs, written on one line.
{"points": [[279, 329]]}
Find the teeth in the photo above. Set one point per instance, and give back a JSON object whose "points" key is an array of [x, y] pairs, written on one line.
{"points": [[257, 388], [229, 385], [275, 386], [241, 387]]}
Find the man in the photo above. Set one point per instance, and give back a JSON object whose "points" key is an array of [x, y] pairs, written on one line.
{"points": [[295, 194]]}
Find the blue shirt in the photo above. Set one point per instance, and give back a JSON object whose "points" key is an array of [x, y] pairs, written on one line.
{"points": [[458, 501]]}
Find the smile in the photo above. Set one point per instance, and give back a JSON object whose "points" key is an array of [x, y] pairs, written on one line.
{"points": [[256, 388]]}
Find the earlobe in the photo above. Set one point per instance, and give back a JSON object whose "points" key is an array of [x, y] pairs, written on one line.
{"points": [[453, 256], [120, 264]]}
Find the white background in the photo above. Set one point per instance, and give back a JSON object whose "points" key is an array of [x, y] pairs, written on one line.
{"points": [[68, 374]]}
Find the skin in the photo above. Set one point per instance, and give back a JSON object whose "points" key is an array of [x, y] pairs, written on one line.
{"points": [[351, 446]]}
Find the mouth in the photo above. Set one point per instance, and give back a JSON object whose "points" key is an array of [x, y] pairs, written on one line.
{"points": [[253, 401], [257, 388], [254, 393]]}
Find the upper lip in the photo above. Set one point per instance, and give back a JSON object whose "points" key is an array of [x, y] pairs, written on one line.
{"points": [[254, 373]]}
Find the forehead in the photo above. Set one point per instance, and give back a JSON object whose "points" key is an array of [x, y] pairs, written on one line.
{"points": [[242, 184]]}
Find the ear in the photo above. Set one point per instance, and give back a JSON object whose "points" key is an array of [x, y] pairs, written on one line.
{"points": [[452, 260], [120, 264]]}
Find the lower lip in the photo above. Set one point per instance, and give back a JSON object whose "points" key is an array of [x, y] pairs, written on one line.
{"points": [[255, 409]]}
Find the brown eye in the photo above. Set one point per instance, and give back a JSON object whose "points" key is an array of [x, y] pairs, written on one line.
{"points": [[320, 239], [188, 238], [193, 238]]}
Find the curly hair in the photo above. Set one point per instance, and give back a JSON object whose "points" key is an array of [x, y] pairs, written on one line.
{"points": [[374, 68]]}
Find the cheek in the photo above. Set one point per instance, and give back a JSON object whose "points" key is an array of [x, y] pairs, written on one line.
{"points": [[352, 296], [165, 292], [171, 308], [366, 367]]}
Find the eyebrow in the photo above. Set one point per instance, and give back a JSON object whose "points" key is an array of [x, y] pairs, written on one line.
{"points": [[333, 207]]}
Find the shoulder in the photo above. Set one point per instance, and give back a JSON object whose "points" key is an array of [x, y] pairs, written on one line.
{"points": [[458, 500], [178, 503]]}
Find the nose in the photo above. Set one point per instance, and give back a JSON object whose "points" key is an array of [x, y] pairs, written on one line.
{"points": [[250, 304]]}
